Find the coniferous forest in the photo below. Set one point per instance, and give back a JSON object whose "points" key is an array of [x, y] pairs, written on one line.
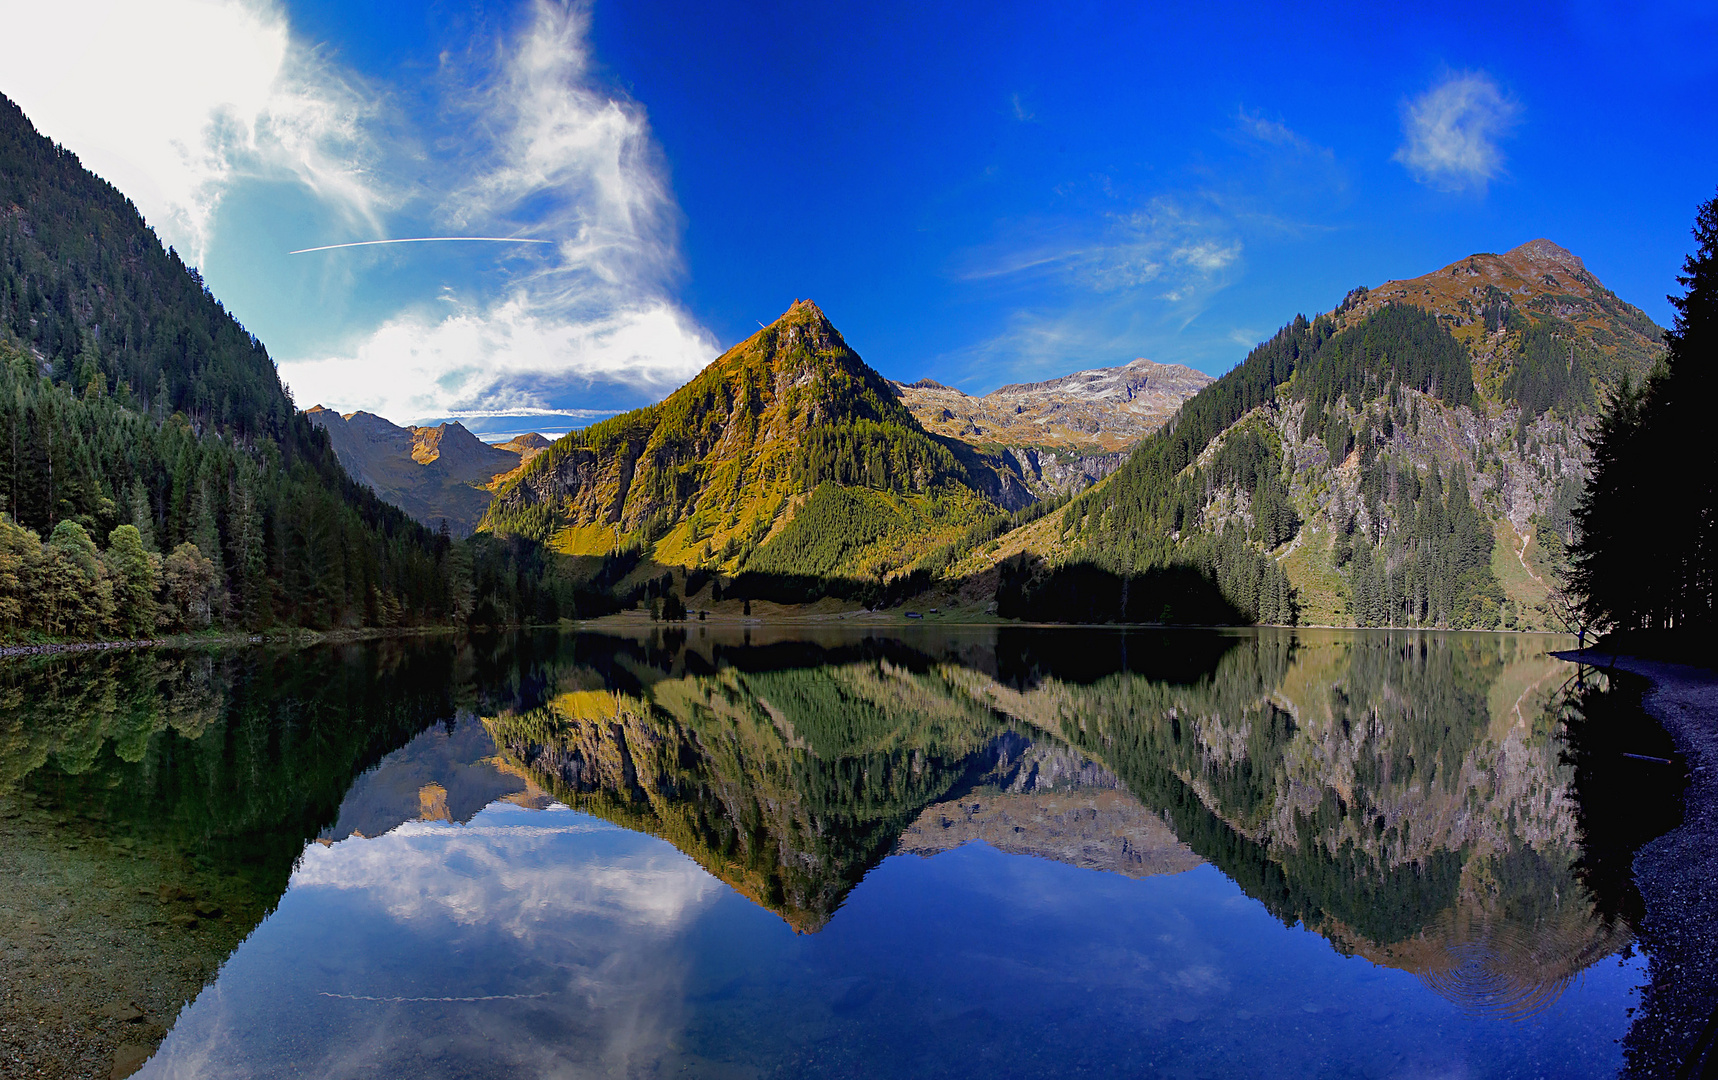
{"points": [[154, 473], [1646, 554]]}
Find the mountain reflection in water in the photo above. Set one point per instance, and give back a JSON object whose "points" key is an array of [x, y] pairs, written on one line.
{"points": [[1407, 796]]}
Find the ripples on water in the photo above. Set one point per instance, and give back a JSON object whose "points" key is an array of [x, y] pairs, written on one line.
{"points": [[990, 852]]}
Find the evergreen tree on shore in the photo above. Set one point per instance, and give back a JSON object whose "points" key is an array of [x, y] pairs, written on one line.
{"points": [[1647, 557]]}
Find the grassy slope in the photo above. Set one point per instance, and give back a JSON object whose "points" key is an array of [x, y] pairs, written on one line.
{"points": [[715, 474]]}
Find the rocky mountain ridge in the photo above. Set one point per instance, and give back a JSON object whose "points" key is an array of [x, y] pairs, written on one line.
{"points": [[435, 474], [1063, 434], [1316, 457]]}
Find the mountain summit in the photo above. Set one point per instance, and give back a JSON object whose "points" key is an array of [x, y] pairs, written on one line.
{"points": [[1412, 457], [1489, 300], [716, 474], [435, 474]]}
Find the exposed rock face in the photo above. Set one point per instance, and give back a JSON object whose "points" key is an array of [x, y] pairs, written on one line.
{"points": [[1062, 434], [432, 473]]}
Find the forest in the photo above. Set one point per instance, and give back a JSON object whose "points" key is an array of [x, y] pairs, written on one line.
{"points": [[147, 437], [1161, 510], [1645, 555]]}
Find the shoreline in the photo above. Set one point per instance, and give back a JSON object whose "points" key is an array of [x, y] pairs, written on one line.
{"points": [[633, 620], [192, 641], [1677, 875]]}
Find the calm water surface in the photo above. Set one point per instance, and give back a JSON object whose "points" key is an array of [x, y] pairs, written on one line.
{"points": [[997, 852]]}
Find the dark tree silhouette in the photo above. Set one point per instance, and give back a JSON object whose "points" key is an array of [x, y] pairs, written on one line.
{"points": [[1647, 556]]}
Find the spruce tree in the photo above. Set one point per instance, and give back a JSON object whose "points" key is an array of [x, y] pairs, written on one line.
{"points": [[1647, 556]]}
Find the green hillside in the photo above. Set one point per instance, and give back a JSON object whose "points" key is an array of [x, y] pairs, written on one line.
{"points": [[789, 425], [1411, 458], [129, 396]]}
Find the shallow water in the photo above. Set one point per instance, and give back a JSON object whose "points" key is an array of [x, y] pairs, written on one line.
{"points": [[948, 853]]}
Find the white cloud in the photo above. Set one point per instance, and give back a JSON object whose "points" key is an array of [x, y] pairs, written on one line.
{"points": [[528, 943], [1451, 132], [1169, 245], [174, 100], [513, 875], [511, 358], [570, 161], [181, 102]]}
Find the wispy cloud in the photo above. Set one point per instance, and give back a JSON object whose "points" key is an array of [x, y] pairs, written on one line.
{"points": [[1021, 112], [1451, 132], [212, 92], [523, 356], [1272, 132], [221, 93], [1168, 246], [570, 160]]}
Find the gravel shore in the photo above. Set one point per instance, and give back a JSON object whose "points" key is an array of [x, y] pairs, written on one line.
{"points": [[1677, 875]]}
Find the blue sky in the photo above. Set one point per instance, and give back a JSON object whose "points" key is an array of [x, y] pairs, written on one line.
{"points": [[980, 193]]}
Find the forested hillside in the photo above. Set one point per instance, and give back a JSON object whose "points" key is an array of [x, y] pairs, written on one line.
{"points": [[786, 455], [130, 397], [1413, 457]]}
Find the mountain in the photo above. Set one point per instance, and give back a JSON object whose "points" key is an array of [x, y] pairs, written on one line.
{"points": [[1489, 300], [1410, 458], [787, 454], [435, 474], [1065, 434], [130, 396], [526, 446]]}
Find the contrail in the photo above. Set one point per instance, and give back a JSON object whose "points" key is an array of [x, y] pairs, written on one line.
{"points": [[425, 240]]}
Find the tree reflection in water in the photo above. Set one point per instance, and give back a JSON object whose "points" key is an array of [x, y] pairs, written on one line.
{"points": [[1414, 797]]}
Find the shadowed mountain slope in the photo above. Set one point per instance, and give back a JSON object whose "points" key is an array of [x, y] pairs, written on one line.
{"points": [[432, 473]]}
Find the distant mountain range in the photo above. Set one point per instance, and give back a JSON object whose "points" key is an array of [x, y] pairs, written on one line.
{"points": [[1411, 457], [436, 474], [1061, 435]]}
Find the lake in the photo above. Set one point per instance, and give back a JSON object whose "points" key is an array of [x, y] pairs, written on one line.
{"points": [[729, 852]]}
